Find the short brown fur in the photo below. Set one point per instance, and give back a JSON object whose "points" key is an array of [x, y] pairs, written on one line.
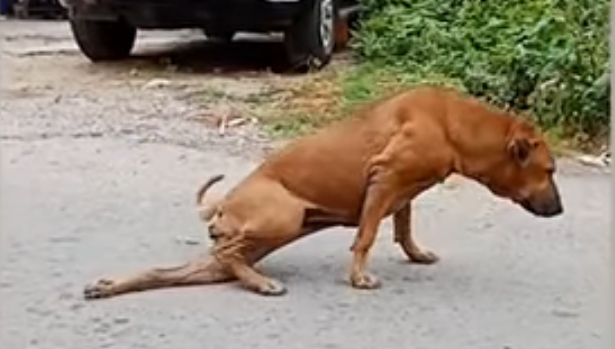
{"points": [[355, 173]]}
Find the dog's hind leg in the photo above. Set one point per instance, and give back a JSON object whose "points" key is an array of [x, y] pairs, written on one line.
{"points": [[197, 272], [268, 228], [258, 282], [239, 254], [403, 236]]}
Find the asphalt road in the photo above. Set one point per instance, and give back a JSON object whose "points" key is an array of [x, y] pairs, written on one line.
{"points": [[99, 179]]}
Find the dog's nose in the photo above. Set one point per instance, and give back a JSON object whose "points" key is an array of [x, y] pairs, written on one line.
{"points": [[553, 211], [550, 209], [546, 209]]}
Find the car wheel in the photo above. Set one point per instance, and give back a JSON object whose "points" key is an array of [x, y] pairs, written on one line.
{"points": [[310, 40], [103, 40]]}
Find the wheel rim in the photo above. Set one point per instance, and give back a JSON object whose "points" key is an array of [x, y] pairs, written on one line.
{"points": [[327, 22]]}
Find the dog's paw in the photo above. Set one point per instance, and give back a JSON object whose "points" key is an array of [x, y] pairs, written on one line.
{"points": [[424, 257], [272, 288], [100, 289], [365, 281]]}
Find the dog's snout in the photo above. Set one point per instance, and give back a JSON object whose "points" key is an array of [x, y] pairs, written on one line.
{"points": [[551, 209], [545, 205]]}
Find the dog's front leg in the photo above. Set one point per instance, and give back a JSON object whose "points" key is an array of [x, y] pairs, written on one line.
{"points": [[403, 236], [379, 197]]}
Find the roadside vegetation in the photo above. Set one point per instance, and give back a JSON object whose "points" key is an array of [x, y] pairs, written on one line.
{"points": [[544, 58]]}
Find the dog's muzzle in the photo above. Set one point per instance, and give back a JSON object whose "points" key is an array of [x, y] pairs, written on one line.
{"points": [[541, 210], [544, 205]]}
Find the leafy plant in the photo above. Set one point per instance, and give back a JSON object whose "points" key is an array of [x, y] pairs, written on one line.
{"points": [[546, 57]]}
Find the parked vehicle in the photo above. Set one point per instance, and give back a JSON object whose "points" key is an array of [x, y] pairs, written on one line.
{"points": [[106, 29], [24, 9], [6, 7]]}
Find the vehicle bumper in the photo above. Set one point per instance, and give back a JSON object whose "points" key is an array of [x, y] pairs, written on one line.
{"points": [[240, 14]]}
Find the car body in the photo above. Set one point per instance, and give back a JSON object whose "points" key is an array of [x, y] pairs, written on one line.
{"points": [[105, 29]]}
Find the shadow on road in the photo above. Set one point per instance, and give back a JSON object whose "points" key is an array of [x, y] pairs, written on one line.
{"points": [[242, 55]]}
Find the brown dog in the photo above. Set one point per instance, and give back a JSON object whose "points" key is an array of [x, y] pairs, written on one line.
{"points": [[355, 174]]}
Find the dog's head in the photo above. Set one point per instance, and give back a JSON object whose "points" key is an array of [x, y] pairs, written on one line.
{"points": [[526, 174]]}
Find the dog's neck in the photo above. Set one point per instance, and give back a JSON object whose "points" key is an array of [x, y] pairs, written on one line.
{"points": [[477, 157]]}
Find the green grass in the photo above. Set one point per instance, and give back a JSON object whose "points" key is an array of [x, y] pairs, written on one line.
{"points": [[367, 82], [291, 126]]}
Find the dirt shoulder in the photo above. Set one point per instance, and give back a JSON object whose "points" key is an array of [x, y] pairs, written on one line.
{"points": [[176, 89]]}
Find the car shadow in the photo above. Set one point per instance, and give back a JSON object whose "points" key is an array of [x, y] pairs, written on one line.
{"points": [[242, 55]]}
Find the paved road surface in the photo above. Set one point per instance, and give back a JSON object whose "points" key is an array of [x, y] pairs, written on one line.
{"points": [[99, 179]]}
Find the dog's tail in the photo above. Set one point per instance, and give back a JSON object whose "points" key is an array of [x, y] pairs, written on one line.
{"points": [[207, 211], [205, 187]]}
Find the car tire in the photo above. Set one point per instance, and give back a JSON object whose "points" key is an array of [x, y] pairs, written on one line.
{"points": [[103, 40], [310, 40]]}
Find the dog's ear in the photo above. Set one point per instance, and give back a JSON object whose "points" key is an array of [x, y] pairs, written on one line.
{"points": [[520, 149]]}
